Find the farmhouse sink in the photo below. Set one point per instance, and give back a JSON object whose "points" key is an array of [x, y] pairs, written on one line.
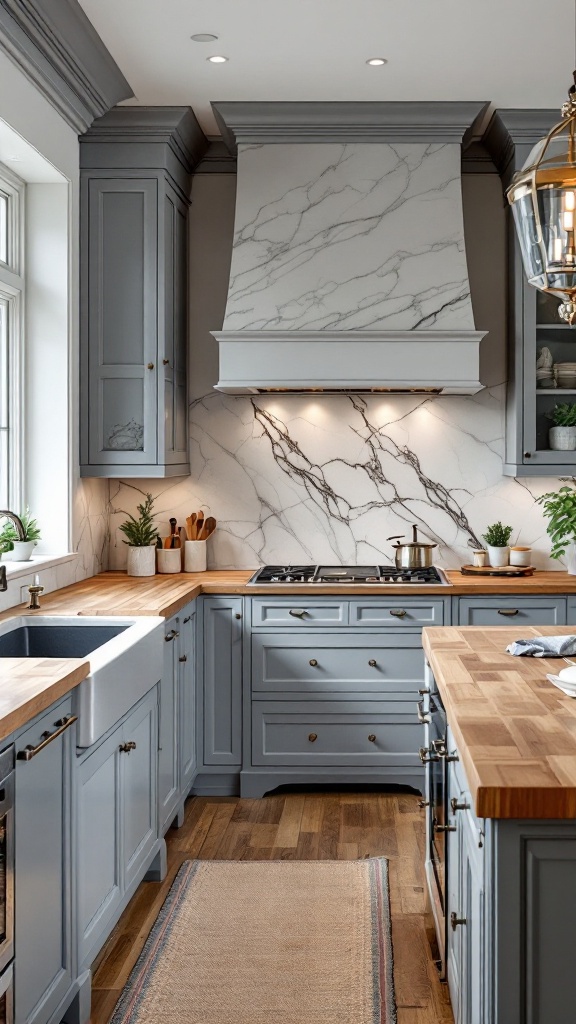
{"points": [[125, 656]]}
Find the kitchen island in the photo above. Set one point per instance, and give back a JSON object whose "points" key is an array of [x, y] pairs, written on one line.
{"points": [[505, 917]]}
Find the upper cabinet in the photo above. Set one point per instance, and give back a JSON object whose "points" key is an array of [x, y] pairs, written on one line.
{"points": [[136, 166], [533, 320]]}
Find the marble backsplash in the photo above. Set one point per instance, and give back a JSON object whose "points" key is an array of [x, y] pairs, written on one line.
{"points": [[305, 479]]}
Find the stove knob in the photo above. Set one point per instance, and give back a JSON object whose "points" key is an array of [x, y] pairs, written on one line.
{"points": [[289, 579], [274, 579]]}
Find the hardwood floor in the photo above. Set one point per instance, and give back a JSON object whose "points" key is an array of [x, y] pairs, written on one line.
{"points": [[299, 826]]}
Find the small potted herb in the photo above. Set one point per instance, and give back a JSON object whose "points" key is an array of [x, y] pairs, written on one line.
{"points": [[560, 510], [562, 436], [10, 539], [141, 534], [497, 538]]}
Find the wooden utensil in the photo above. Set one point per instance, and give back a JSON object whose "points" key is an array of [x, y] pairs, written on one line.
{"points": [[208, 528], [199, 525], [190, 526]]}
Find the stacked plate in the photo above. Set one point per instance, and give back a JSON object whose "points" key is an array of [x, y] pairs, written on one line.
{"points": [[545, 378], [565, 680], [565, 375]]}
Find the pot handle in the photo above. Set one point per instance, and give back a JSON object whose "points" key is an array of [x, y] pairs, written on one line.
{"points": [[398, 536]]}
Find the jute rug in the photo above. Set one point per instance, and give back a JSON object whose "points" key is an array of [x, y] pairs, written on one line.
{"points": [[267, 942]]}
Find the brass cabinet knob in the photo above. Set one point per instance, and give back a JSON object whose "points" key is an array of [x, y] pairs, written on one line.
{"points": [[313, 736], [313, 662], [184, 657], [372, 738], [455, 921], [125, 748], [237, 615], [166, 362], [372, 663], [458, 807], [150, 366]]}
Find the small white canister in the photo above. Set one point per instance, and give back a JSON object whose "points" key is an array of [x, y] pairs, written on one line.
{"points": [[480, 556], [520, 556], [195, 556], [169, 560]]}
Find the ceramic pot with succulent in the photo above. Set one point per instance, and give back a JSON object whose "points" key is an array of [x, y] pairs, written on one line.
{"points": [[562, 436], [559, 507], [19, 549], [141, 534], [497, 539]]}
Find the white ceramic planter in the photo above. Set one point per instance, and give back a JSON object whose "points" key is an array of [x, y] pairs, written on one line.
{"points": [[562, 439], [22, 551], [570, 558], [141, 561], [195, 556], [498, 556]]}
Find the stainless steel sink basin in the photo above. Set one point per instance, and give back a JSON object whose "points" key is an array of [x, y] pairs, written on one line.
{"points": [[125, 656]]}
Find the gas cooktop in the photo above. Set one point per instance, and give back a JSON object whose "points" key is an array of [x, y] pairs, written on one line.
{"points": [[356, 574]]}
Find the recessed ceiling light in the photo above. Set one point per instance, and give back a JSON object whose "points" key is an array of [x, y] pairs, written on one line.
{"points": [[217, 60], [204, 37], [377, 62]]}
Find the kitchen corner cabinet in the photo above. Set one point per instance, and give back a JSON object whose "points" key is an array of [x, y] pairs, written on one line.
{"points": [[44, 961], [136, 166], [177, 726], [116, 806]]}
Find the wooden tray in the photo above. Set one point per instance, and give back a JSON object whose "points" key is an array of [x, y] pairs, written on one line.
{"points": [[492, 570]]}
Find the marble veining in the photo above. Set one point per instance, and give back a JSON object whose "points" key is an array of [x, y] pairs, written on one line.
{"points": [[335, 236]]}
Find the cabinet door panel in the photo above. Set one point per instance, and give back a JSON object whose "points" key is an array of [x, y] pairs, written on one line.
{"points": [[138, 780], [98, 867], [173, 407], [512, 611], [222, 681], [43, 945], [187, 702], [168, 785]]}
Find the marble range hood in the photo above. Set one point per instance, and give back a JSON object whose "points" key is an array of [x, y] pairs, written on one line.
{"points": [[348, 267]]}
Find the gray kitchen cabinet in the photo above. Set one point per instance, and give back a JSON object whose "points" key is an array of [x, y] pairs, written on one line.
{"points": [[136, 164], [44, 956], [512, 610], [222, 681], [116, 807], [177, 725]]}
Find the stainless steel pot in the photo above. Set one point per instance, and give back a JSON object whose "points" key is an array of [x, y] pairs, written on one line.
{"points": [[414, 554]]}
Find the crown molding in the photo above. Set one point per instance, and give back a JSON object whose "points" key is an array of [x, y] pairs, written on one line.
{"points": [[59, 50], [174, 127], [341, 122], [511, 132]]}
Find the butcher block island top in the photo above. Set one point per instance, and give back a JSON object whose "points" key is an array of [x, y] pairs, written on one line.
{"points": [[515, 731], [28, 686], [115, 593]]}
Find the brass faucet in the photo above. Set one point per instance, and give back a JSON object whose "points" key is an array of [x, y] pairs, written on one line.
{"points": [[5, 514]]}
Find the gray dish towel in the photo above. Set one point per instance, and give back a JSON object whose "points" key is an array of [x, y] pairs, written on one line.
{"points": [[544, 647]]}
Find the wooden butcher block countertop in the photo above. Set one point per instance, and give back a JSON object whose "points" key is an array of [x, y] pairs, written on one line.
{"points": [[515, 731], [30, 685], [115, 593]]}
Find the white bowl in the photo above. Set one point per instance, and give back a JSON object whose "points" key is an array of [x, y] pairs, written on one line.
{"points": [[568, 675]]}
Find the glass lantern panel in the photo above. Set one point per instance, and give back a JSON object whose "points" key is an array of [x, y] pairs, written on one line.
{"points": [[557, 210], [527, 231]]}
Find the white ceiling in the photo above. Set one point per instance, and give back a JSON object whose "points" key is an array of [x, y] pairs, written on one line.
{"points": [[517, 53]]}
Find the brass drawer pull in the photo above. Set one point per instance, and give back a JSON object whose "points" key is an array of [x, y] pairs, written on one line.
{"points": [[458, 807], [165, 362], [313, 662], [298, 613], [423, 755], [508, 611], [372, 738], [445, 828], [184, 657], [398, 613], [61, 725], [424, 692], [313, 736], [455, 921], [372, 663], [125, 748], [171, 635]]}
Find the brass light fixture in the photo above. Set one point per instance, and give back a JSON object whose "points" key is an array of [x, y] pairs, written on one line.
{"points": [[543, 200]]}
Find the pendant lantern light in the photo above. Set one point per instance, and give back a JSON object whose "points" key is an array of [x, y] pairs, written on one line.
{"points": [[543, 200]]}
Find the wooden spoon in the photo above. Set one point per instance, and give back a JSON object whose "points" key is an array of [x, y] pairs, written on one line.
{"points": [[199, 525], [208, 528], [190, 531]]}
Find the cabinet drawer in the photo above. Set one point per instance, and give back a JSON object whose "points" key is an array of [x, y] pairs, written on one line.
{"points": [[335, 733], [403, 612], [327, 664], [299, 612], [512, 611]]}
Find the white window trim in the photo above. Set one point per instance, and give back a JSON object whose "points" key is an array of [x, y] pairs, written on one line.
{"points": [[12, 287]]}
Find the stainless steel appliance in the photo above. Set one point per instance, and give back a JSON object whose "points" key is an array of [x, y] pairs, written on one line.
{"points": [[415, 554], [356, 574], [6, 884]]}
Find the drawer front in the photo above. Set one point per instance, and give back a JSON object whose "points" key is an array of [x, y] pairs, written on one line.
{"points": [[298, 612], [333, 664], [512, 611], [353, 734], [400, 613]]}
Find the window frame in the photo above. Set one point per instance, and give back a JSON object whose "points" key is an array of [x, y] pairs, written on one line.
{"points": [[12, 289]]}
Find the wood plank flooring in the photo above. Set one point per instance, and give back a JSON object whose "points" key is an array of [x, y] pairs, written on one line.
{"points": [[299, 826]]}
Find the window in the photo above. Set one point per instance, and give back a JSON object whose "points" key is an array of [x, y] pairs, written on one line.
{"points": [[11, 306]]}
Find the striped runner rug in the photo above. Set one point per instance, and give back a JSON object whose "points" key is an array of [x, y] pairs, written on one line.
{"points": [[267, 942]]}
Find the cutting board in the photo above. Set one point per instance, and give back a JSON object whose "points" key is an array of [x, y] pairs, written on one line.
{"points": [[502, 570]]}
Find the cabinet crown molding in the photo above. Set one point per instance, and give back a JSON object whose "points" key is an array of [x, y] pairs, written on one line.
{"points": [[175, 127], [59, 50]]}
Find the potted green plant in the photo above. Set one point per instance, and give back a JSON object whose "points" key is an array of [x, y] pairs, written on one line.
{"points": [[497, 538], [141, 534], [562, 436], [559, 507], [10, 540]]}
